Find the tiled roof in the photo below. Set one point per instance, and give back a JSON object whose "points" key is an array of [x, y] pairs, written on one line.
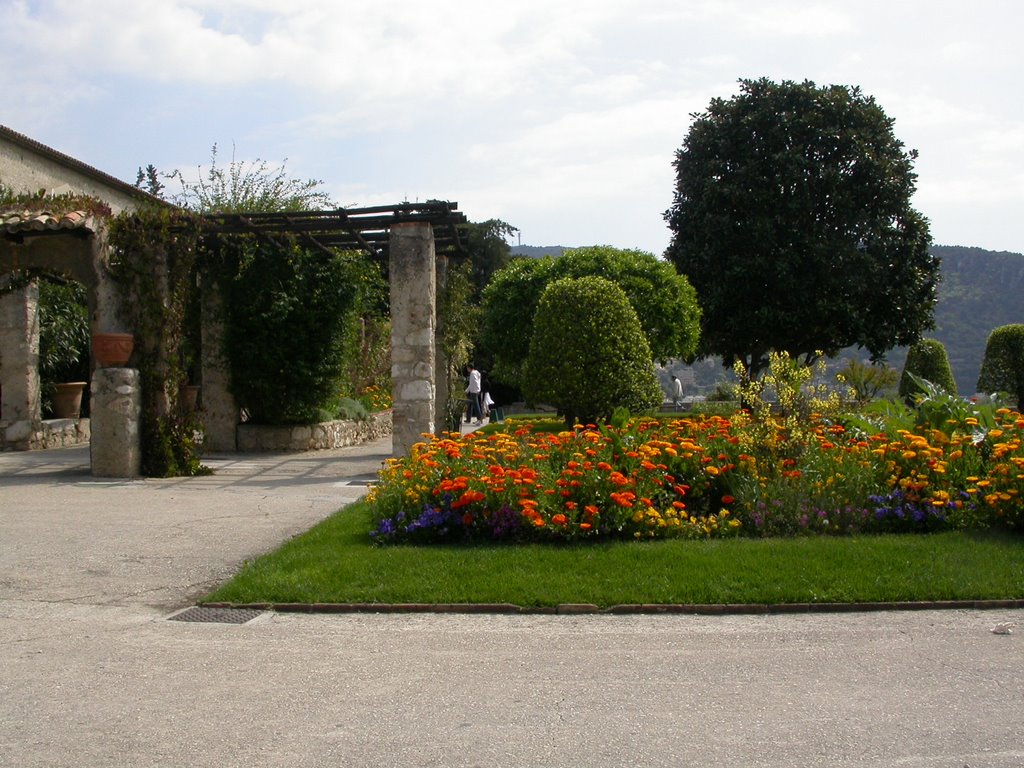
{"points": [[22, 222]]}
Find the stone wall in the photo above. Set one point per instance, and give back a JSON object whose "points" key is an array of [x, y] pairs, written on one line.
{"points": [[256, 438], [28, 166], [52, 433]]}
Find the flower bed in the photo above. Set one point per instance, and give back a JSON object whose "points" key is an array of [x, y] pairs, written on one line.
{"points": [[702, 477]]}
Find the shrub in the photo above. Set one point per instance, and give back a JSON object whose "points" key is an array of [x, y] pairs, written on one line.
{"points": [[1002, 368], [588, 354], [63, 331], [665, 303], [291, 323], [926, 359], [867, 381]]}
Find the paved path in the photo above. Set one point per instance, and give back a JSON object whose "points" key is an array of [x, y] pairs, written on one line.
{"points": [[92, 672]]}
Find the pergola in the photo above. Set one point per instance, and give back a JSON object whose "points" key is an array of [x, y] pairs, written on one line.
{"points": [[413, 239], [365, 229]]}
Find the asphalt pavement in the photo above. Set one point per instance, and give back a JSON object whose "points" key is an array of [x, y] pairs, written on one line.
{"points": [[96, 669]]}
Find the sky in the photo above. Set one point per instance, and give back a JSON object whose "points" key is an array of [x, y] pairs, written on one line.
{"points": [[559, 118]]}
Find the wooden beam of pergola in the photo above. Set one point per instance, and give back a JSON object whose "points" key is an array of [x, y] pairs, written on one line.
{"points": [[365, 229]]}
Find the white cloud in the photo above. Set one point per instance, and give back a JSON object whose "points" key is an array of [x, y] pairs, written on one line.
{"points": [[563, 114]]}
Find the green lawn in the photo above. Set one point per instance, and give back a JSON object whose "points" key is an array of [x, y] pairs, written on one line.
{"points": [[335, 562]]}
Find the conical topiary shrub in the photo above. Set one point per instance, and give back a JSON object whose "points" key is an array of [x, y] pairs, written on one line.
{"points": [[927, 360]]}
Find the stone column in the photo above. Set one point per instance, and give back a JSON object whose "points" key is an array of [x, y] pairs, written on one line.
{"points": [[413, 290], [20, 412], [116, 420], [219, 413]]}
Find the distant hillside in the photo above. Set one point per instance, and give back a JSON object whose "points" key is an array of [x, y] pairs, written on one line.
{"points": [[537, 251], [980, 290]]}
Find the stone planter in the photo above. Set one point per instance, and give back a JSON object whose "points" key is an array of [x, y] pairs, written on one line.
{"points": [[112, 350], [67, 399]]}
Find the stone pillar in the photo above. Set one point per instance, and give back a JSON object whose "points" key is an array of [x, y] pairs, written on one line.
{"points": [[440, 359], [413, 289], [116, 420], [20, 414], [219, 413]]}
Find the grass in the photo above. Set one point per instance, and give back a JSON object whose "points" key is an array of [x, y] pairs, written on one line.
{"points": [[335, 562]]}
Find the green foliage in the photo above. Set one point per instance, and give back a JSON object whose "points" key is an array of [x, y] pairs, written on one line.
{"points": [[867, 382], [509, 303], [926, 359], [664, 302], [588, 354], [291, 319], [458, 318], [154, 259], [792, 220], [245, 186], [63, 331], [56, 204], [368, 362], [784, 406], [1003, 366], [724, 391], [488, 249], [935, 408], [350, 410], [149, 180]]}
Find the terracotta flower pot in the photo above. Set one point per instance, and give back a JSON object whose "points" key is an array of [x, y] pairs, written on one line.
{"points": [[112, 350], [67, 399], [189, 395]]}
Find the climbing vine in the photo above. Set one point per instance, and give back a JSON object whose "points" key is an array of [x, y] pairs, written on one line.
{"points": [[154, 252]]}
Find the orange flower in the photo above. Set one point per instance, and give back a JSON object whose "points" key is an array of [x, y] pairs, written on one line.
{"points": [[469, 497], [559, 519]]}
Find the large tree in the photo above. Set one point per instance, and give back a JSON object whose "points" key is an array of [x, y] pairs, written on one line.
{"points": [[663, 300], [488, 249], [792, 220]]}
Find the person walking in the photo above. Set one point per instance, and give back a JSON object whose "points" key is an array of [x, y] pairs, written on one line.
{"points": [[473, 395], [677, 393]]}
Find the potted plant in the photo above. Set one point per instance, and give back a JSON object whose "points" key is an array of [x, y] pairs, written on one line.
{"points": [[63, 345], [67, 399]]}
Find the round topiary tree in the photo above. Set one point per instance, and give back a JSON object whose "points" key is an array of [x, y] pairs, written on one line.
{"points": [[665, 303], [588, 354], [927, 359], [1002, 368]]}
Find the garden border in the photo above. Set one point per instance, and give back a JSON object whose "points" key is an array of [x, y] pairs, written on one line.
{"points": [[576, 609]]}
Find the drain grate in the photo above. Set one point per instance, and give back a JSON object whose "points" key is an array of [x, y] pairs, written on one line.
{"points": [[210, 615]]}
